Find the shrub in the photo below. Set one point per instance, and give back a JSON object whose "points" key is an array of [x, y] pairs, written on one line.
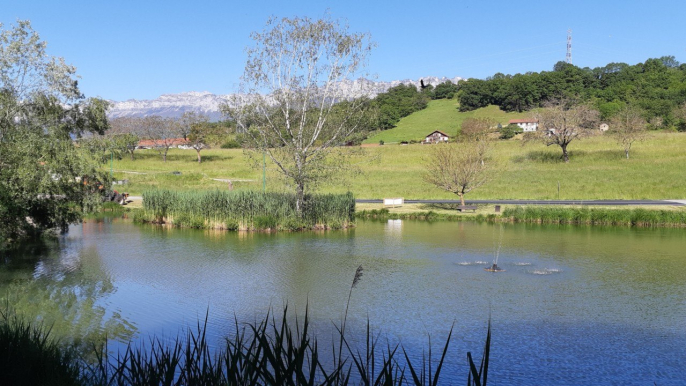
{"points": [[231, 144], [509, 131]]}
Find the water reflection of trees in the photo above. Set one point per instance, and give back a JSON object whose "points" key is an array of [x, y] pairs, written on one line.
{"points": [[64, 288]]}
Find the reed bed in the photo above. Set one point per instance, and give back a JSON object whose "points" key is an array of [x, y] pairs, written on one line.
{"points": [[596, 216], [269, 352], [29, 355], [247, 210]]}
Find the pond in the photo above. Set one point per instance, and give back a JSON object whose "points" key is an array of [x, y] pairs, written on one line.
{"points": [[574, 305]]}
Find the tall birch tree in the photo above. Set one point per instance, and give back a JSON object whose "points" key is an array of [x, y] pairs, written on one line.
{"points": [[292, 107]]}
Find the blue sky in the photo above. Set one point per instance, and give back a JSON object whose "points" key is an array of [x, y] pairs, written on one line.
{"points": [[142, 49]]}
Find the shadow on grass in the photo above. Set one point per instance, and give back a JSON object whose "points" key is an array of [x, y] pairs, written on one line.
{"points": [[554, 157], [190, 156], [440, 206]]}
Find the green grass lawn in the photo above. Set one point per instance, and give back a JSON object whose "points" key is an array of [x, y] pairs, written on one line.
{"points": [[440, 115], [597, 170], [148, 171]]}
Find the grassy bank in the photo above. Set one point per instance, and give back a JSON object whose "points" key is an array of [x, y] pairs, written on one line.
{"points": [[246, 210], [582, 215], [596, 216], [432, 213]]}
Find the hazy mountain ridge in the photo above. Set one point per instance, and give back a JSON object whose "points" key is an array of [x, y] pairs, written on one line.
{"points": [[174, 105]]}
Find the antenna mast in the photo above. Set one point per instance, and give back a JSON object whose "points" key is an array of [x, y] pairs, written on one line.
{"points": [[569, 46]]}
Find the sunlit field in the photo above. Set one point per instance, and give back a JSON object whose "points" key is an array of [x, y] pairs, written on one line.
{"points": [[597, 170]]}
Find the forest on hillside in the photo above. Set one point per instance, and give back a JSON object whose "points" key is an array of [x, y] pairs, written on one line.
{"points": [[657, 86]]}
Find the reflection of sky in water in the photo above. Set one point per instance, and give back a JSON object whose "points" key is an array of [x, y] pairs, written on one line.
{"points": [[569, 298]]}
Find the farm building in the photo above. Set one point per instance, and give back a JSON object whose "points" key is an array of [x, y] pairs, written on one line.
{"points": [[151, 143], [436, 137], [525, 124]]}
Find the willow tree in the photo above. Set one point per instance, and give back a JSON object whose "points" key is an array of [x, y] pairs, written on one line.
{"points": [[41, 112], [292, 107]]}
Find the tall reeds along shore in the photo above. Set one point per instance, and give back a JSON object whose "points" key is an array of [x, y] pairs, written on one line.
{"points": [[596, 216], [246, 210]]}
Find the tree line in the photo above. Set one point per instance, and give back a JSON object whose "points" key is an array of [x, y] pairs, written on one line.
{"points": [[657, 87]]}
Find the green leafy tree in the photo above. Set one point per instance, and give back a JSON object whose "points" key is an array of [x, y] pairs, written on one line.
{"points": [[445, 90], [476, 93], [200, 133], [125, 143], [41, 111], [188, 120], [126, 134], [657, 86], [680, 114], [398, 102]]}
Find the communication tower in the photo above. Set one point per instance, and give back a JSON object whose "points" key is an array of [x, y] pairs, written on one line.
{"points": [[569, 46]]}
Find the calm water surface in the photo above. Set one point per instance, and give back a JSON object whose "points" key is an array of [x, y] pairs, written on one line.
{"points": [[576, 305]]}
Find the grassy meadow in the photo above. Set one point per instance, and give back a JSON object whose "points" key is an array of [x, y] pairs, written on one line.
{"points": [[597, 170], [441, 114]]}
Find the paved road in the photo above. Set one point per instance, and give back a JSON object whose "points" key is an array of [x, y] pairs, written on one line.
{"points": [[542, 202]]}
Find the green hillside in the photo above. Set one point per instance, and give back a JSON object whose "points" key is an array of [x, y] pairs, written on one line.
{"points": [[441, 114]]}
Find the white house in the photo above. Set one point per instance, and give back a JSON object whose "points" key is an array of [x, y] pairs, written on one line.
{"points": [[436, 137], [525, 124]]}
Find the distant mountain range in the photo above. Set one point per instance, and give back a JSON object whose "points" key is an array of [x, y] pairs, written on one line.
{"points": [[174, 105]]}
